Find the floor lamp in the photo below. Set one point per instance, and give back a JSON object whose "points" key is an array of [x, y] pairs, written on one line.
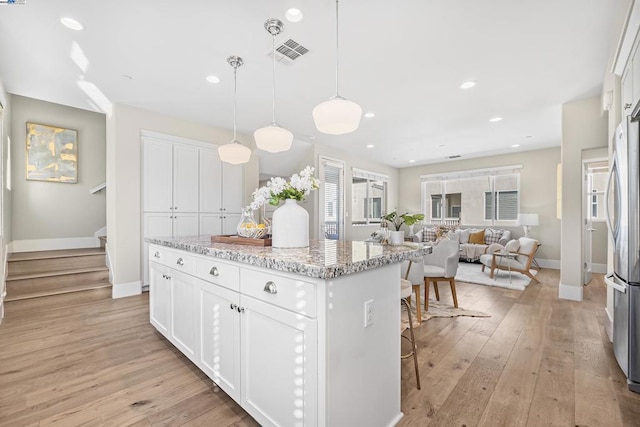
{"points": [[528, 220]]}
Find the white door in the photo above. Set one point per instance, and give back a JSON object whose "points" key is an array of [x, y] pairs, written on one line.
{"points": [[185, 224], [331, 211], [185, 178], [210, 223], [279, 364], [159, 298], [230, 223], [220, 337], [158, 178], [184, 312], [210, 181], [232, 191]]}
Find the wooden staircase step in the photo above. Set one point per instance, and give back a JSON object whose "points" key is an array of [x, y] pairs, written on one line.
{"points": [[68, 289], [53, 284], [61, 253], [36, 262], [56, 273]]}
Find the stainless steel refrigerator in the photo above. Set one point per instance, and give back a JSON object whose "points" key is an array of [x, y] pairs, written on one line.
{"points": [[624, 226]]}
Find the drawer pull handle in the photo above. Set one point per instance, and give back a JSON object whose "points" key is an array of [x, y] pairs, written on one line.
{"points": [[214, 271], [180, 261], [157, 254], [270, 288], [233, 306]]}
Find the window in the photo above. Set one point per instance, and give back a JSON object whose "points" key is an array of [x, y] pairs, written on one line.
{"points": [[596, 181], [369, 197], [476, 197]]}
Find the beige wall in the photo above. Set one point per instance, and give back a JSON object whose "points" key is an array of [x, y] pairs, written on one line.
{"points": [[49, 210], [537, 187], [584, 126], [124, 163], [5, 195]]}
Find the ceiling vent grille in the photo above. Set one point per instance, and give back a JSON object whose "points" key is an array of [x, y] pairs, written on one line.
{"points": [[454, 156], [289, 51]]}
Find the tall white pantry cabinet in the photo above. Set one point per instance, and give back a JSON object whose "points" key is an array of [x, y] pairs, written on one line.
{"points": [[187, 190]]}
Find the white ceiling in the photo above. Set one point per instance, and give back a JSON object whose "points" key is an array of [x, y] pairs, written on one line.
{"points": [[403, 60]]}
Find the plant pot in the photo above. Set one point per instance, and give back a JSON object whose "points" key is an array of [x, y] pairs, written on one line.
{"points": [[396, 238], [290, 226]]}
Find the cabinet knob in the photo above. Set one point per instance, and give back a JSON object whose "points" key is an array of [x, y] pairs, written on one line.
{"points": [[233, 306], [180, 261], [270, 288], [214, 271], [157, 254], [240, 309], [627, 105]]}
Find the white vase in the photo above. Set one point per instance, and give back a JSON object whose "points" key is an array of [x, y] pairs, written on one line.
{"points": [[396, 237], [290, 226]]}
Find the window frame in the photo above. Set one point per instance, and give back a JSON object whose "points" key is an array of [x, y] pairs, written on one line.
{"points": [[369, 204]]}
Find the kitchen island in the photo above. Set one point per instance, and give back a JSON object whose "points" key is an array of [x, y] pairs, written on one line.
{"points": [[298, 337]]}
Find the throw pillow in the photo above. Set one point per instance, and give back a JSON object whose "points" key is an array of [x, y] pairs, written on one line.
{"points": [[429, 234], [464, 235], [492, 236], [477, 238], [512, 246], [453, 235]]}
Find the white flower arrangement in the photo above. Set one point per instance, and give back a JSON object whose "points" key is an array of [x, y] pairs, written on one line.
{"points": [[278, 189]]}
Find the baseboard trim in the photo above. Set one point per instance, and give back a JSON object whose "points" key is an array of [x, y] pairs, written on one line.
{"points": [[553, 264], [608, 324], [573, 293], [53, 244], [126, 289], [599, 268]]}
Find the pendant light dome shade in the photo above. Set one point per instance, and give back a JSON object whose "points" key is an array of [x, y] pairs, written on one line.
{"points": [[234, 152], [337, 116], [273, 138]]}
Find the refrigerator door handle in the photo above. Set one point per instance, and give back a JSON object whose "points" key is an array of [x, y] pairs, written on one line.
{"points": [[607, 213], [610, 282]]}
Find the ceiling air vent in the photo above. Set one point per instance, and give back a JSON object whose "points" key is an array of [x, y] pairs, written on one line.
{"points": [[453, 157], [289, 51]]}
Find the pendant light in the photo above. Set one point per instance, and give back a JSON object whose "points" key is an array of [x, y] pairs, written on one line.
{"points": [[234, 152], [273, 138], [337, 115]]}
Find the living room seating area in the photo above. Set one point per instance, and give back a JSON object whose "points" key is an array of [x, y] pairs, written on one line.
{"points": [[474, 242]]}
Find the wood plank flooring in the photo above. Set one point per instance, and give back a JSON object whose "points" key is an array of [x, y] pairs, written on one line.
{"points": [[84, 359]]}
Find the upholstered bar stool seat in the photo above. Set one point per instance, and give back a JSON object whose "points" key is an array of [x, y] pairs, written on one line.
{"points": [[406, 288]]}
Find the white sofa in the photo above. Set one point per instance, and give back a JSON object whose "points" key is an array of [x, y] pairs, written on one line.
{"points": [[469, 252]]}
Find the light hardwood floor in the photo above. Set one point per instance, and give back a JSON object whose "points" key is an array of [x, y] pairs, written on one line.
{"points": [[84, 359]]}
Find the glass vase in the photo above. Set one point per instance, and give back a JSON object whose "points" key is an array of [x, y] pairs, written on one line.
{"points": [[247, 226]]}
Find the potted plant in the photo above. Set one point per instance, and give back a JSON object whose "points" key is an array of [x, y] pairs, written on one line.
{"points": [[397, 236]]}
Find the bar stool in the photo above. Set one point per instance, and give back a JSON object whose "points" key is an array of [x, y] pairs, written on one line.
{"points": [[405, 292]]}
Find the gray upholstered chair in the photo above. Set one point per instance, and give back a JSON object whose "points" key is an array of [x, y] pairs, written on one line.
{"points": [[441, 265], [416, 277], [516, 256]]}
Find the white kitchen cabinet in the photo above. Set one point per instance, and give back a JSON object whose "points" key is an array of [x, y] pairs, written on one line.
{"points": [[219, 337], [168, 224], [159, 298], [279, 364], [185, 178], [626, 86], [215, 224], [184, 315]]}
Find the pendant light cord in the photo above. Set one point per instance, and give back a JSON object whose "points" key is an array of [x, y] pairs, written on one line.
{"points": [[274, 79], [337, 51], [235, 90]]}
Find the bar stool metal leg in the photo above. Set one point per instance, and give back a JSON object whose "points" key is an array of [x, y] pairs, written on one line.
{"points": [[412, 340]]}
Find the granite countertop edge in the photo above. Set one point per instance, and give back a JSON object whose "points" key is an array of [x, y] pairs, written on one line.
{"points": [[240, 254]]}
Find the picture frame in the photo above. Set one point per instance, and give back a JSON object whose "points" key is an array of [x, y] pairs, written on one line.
{"points": [[51, 154]]}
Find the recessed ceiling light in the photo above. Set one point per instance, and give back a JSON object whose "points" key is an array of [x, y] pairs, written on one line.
{"points": [[213, 79], [468, 85], [528, 136], [412, 161], [293, 15], [495, 119], [71, 23], [515, 145], [370, 145], [370, 115]]}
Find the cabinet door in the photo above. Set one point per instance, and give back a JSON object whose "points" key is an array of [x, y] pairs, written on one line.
{"points": [[635, 64], [230, 223], [185, 224], [185, 178], [184, 312], [210, 223], [159, 298], [233, 188], [157, 176], [627, 91], [210, 181], [279, 364], [220, 337]]}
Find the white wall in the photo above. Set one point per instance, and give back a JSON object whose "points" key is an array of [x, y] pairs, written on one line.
{"points": [[5, 195], [51, 210], [537, 191], [584, 126], [124, 164]]}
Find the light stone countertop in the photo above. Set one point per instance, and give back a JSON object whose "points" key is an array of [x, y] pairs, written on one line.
{"points": [[323, 259]]}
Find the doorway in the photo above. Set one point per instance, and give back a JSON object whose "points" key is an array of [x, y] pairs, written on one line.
{"points": [[331, 212], [594, 231]]}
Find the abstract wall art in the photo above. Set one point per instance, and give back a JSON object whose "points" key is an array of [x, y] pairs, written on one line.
{"points": [[52, 154]]}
